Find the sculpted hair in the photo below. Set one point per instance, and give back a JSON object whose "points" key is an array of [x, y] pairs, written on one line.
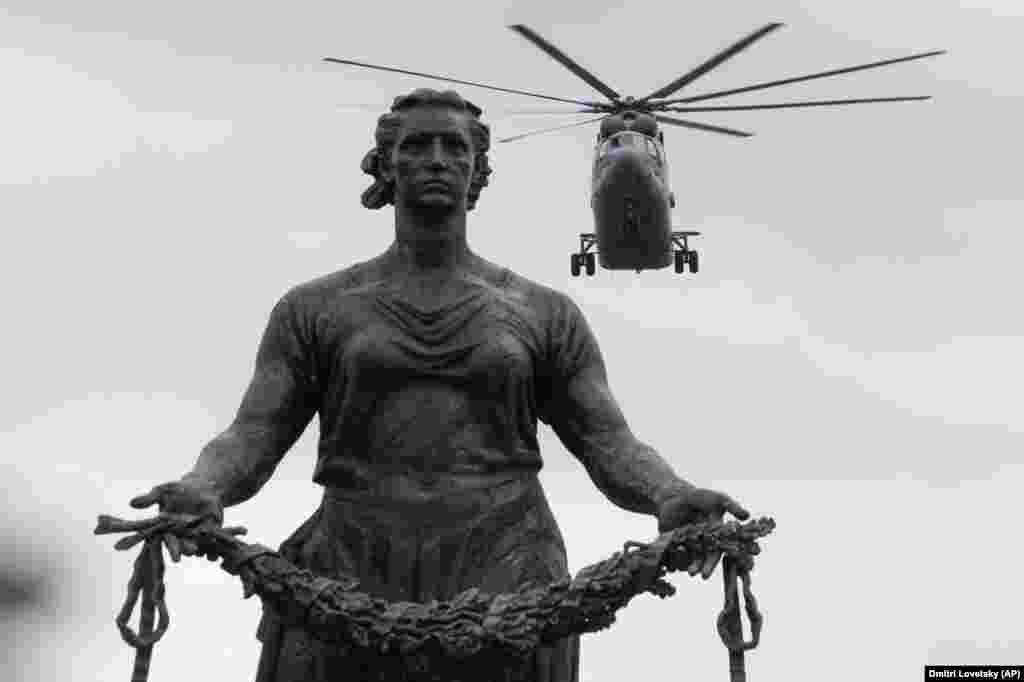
{"points": [[382, 192]]}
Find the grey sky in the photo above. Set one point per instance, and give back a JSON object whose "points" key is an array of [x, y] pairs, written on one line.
{"points": [[848, 360]]}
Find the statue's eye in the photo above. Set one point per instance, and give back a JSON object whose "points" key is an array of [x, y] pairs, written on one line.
{"points": [[456, 142], [414, 142]]}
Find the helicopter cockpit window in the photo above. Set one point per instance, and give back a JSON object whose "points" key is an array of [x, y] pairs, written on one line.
{"points": [[630, 139], [620, 140]]}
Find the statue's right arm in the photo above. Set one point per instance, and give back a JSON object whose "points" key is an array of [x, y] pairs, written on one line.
{"points": [[278, 405]]}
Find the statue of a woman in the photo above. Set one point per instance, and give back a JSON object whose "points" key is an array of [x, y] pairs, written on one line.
{"points": [[429, 368]]}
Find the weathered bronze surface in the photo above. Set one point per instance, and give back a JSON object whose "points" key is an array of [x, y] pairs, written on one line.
{"points": [[429, 368]]}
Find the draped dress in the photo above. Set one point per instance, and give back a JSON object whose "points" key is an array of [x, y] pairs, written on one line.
{"points": [[428, 451]]}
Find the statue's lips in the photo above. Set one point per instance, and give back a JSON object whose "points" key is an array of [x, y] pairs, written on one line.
{"points": [[435, 185]]}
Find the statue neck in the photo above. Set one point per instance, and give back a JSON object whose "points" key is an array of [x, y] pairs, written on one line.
{"points": [[427, 245]]}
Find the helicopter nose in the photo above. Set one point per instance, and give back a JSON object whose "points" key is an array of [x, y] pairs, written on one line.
{"points": [[626, 173]]}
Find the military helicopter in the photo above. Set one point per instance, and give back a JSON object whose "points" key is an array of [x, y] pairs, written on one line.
{"points": [[630, 195]]}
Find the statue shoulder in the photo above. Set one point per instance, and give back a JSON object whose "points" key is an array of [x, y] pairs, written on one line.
{"points": [[332, 284], [327, 288], [549, 303]]}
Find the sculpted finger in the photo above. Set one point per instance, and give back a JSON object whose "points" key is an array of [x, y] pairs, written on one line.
{"points": [[147, 500], [129, 542], [132, 540], [183, 522], [736, 510], [109, 524], [144, 524], [173, 547], [694, 567], [709, 565]]}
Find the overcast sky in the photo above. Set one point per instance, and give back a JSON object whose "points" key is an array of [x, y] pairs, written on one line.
{"points": [[848, 361]]}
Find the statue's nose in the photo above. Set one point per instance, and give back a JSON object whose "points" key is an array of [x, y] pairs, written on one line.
{"points": [[436, 156]]}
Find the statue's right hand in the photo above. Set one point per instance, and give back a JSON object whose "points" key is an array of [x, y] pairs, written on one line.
{"points": [[181, 503]]}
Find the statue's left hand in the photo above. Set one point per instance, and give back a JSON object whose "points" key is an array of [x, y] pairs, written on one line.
{"points": [[693, 506]]}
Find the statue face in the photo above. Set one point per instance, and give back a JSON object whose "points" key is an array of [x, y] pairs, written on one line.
{"points": [[432, 159]]}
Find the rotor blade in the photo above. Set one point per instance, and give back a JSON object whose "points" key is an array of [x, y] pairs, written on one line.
{"points": [[543, 112], [711, 63], [476, 85], [551, 130], [565, 60], [794, 105], [703, 126], [798, 79]]}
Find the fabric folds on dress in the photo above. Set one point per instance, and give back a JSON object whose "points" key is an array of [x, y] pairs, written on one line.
{"points": [[496, 539]]}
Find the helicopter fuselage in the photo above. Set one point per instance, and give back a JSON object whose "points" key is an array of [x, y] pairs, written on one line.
{"points": [[632, 201]]}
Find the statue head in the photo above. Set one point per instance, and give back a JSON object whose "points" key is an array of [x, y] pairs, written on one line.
{"points": [[378, 162]]}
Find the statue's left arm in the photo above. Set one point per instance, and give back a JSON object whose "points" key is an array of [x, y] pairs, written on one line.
{"points": [[581, 409], [587, 419], [590, 424]]}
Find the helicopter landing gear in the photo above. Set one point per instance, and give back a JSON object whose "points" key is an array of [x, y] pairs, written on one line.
{"points": [[586, 262], [684, 258], [586, 259], [683, 255]]}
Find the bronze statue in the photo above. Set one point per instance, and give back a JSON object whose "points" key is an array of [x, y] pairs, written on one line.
{"points": [[428, 367]]}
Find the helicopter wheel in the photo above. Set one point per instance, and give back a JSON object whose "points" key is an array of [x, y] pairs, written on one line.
{"points": [[574, 264], [694, 262], [591, 263], [680, 261]]}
